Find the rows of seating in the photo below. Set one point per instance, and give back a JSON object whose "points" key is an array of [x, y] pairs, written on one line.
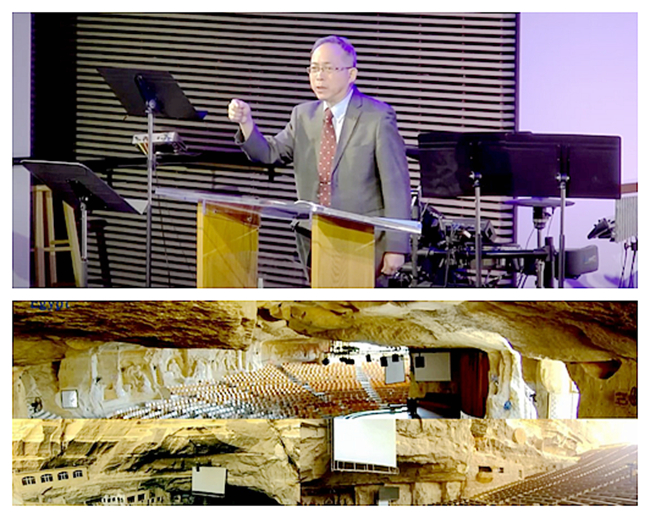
{"points": [[305, 390], [601, 477], [338, 383]]}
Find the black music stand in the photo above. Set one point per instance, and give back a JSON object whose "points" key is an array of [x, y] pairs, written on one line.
{"points": [[451, 166], [150, 93], [82, 189], [520, 164], [540, 165]]}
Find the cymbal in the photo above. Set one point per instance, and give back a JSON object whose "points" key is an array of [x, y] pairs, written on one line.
{"points": [[538, 202]]}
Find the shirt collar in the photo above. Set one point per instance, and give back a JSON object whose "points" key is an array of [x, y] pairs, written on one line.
{"points": [[339, 109]]}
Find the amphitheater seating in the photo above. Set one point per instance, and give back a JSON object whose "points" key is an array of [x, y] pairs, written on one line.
{"points": [[605, 476], [305, 390]]}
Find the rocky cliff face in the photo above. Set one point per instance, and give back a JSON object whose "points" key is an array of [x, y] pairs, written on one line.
{"points": [[288, 461], [443, 460], [260, 455], [595, 340]]}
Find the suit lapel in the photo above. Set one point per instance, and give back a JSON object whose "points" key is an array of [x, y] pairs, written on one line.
{"points": [[349, 124], [315, 123]]}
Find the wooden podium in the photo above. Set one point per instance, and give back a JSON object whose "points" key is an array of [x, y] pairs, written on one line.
{"points": [[343, 244]]}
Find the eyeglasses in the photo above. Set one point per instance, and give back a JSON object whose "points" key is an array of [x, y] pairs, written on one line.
{"points": [[326, 69]]}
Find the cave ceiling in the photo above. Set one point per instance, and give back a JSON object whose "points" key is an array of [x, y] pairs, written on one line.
{"points": [[566, 331]]}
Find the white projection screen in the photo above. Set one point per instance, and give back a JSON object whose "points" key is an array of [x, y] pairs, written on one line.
{"points": [[437, 367], [209, 480], [395, 371], [365, 441]]}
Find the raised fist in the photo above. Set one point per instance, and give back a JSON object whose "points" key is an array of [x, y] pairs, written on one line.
{"points": [[239, 111]]}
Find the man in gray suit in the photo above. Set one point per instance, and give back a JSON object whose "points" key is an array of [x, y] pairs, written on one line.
{"points": [[364, 172]]}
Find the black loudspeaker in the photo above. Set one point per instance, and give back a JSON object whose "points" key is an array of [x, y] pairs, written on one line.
{"points": [[368, 358], [419, 362], [383, 361], [395, 358]]}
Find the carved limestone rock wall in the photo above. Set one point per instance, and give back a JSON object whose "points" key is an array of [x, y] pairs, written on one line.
{"points": [[606, 392], [176, 324], [444, 460], [588, 337], [114, 375], [584, 335], [260, 455]]}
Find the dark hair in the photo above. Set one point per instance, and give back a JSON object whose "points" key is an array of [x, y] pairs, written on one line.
{"points": [[342, 42]]}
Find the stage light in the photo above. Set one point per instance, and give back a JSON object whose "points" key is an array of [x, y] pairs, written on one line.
{"points": [[326, 361]]}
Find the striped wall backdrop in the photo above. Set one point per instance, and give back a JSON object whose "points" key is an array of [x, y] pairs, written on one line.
{"points": [[445, 71]]}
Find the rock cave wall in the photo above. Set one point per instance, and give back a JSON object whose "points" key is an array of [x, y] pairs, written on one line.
{"points": [[596, 340], [444, 460], [261, 455]]}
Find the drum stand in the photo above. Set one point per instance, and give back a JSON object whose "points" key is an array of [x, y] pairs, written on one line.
{"points": [[562, 178], [540, 217]]}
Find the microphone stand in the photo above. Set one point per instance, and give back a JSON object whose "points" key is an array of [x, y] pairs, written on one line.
{"points": [[151, 106], [562, 178], [478, 244]]}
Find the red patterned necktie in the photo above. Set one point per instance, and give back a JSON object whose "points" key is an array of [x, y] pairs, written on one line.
{"points": [[325, 160]]}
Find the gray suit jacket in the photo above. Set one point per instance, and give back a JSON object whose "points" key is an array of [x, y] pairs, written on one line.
{"points": [[370, 172]]}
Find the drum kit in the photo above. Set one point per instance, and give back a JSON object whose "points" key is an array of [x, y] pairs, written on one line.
{"points": [[444, 255]]}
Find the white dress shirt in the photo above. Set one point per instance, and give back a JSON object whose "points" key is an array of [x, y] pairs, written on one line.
{"points": [[338, 113]]}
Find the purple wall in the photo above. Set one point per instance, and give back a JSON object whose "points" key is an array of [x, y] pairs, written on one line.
{"points": [[578, 74]]}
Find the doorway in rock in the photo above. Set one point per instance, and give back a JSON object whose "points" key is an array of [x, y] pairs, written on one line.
{"points": [[450, 382]]}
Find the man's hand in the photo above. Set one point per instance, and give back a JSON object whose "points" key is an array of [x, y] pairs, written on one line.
{"points": [[239, 111], [392, 262]]}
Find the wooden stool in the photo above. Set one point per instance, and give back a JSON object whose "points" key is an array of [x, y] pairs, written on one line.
{"points": [[44, 241]]}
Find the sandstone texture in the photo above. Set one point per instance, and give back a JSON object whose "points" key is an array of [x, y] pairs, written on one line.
{"points": [[441, 461], [289, 461], [260, 455], [65, 344]]}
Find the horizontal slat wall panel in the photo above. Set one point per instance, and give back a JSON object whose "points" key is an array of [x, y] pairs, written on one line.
{"points": [[448, 71]]}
